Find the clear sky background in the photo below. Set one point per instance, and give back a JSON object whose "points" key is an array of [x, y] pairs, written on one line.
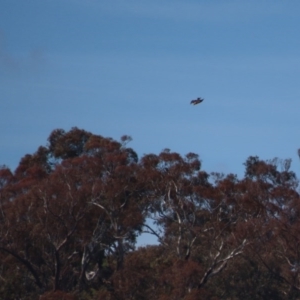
{"points": [[132, 67]]}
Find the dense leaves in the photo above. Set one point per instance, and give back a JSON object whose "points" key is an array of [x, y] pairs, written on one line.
{"points": [[72, 212]]}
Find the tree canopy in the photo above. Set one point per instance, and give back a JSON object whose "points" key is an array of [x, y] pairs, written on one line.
{"points": [[71, 214]]}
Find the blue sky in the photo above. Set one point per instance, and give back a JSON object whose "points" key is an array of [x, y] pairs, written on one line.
{"points": [[132, 67]]}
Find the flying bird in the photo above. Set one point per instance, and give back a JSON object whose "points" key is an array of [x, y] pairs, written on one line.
{"points": [[197, 101]]}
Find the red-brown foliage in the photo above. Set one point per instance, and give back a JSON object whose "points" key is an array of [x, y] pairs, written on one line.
{"points": [[71, 213]]}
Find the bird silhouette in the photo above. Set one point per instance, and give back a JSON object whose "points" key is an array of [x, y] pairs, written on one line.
{"points": [[197, 101]]}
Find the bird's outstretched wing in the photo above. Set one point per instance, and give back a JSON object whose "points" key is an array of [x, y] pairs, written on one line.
{"points": [[197, 101]]}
